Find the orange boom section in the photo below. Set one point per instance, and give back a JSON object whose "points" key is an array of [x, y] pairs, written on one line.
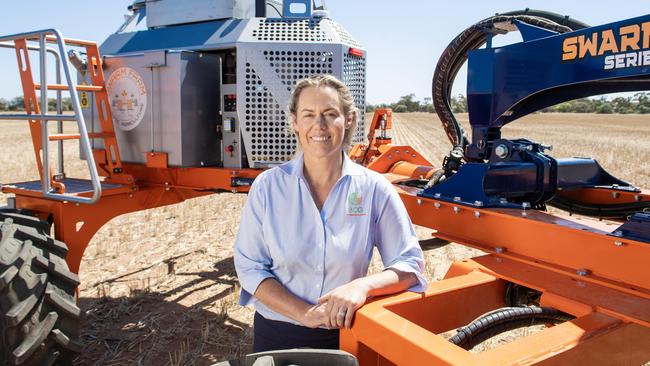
{"points": [[576, 266]]}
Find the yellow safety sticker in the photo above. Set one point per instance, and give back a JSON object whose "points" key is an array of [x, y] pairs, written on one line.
{"points": [[85, 102]]}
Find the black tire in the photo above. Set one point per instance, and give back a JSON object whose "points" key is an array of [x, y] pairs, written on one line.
{"points": [[39, 316]]}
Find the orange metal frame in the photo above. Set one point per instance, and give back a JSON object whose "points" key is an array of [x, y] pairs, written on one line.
{"points": [[580, 269], [134, 187]]}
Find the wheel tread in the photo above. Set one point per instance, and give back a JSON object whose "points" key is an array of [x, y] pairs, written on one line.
{"points": [[61, 303], [19, 311], [57, 271], [35, 337], [26, 220], [60, 338], [42, 241], [7, 276]]}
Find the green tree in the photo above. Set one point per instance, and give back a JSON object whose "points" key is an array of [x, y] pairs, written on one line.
{"points": [[17, 104], [400, 108], [4, 104], [622, 105], [459, 104]]}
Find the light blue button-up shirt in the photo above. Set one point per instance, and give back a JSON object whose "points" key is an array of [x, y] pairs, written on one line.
{"points": [[282, 234]]}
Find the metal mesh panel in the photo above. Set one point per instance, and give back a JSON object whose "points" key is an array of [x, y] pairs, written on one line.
{"points": [[292, 66], [344, 35], [354, 76], [278, 30], [266, 122]]}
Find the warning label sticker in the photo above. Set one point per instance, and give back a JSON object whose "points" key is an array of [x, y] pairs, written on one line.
{"points": [[128, 97], [83, 99]]}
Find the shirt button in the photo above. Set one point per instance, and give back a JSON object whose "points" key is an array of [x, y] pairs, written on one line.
{"points": [[320, 245], [319, 267], [318, 286]]}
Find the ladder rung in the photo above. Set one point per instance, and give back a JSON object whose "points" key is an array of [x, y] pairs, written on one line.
{"points": [[90, 88], [76, 136], [37, 117]]}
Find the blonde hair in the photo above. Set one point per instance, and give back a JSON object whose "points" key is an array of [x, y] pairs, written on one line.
{"points": [[345, 97]]}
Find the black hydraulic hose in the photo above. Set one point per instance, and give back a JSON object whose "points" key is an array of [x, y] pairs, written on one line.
{"points": [[503, 320], [454, 56], [612, 211]]}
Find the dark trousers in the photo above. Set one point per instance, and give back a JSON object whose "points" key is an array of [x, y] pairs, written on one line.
{"points": [[269, 335]]}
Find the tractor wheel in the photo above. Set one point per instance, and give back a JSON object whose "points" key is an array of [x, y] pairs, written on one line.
{"points": [[39, 317]]}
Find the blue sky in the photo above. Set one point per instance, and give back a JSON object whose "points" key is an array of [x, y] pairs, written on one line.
{"points": [[403, 38]]}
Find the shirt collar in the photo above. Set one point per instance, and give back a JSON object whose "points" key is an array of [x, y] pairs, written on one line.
{"points": [[295, 165]]}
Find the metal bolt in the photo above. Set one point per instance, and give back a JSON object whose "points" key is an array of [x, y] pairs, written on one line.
{"points": [[582, 272], [456, 209], [436, 205], [77, 204], [407, 151], [457, 199], [524, 213], [390, 157], [637, 197], [615, 194], [419, 202], [396, 151], [478, 203], [415, 156], [130, 195], [618, 243], [499, 249], [501, 151], [477, 214]]}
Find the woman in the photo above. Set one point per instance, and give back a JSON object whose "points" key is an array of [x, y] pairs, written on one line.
{"points": [[309, 227]]}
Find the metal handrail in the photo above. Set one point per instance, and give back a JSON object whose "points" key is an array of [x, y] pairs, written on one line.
{"points": [[59, 106], [84, 140]]}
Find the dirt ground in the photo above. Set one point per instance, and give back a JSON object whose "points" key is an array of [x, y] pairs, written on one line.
{"points": [[158, 287]]}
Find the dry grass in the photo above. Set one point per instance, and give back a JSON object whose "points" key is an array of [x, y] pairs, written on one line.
{"points": [[159, 287]]}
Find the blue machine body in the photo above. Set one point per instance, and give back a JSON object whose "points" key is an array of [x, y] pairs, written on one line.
{"points": [[506, 83], [545, 69]]}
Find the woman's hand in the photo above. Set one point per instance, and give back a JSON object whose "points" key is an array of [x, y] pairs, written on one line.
{"points": [[315, 316], [341, 303]]}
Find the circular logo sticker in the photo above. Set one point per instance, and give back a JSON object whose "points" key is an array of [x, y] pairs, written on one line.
{"points": [[128, 97]]}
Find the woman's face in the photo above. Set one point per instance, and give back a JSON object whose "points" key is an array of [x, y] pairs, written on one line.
{"points": [[320, 122]]}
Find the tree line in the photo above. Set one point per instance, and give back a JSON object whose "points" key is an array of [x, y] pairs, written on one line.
{"points": [[18, 104], [638, 103]]}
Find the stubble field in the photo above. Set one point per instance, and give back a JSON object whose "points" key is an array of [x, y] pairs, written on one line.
{"points": [[158, 287]]}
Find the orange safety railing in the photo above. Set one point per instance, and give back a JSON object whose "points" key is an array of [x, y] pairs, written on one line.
{"points": [[38, 115]]}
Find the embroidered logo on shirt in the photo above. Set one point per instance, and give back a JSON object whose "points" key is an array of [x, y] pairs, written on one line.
{"points": [[355, 204]]}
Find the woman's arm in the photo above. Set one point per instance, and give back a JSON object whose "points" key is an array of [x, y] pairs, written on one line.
{"points": [[276, 297], [351, 296]]}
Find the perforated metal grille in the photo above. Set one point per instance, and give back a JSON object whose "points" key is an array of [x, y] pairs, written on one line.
{"points": [[344, 35], [354, 76], [266, 122], [276, 30], [292, 66]]}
